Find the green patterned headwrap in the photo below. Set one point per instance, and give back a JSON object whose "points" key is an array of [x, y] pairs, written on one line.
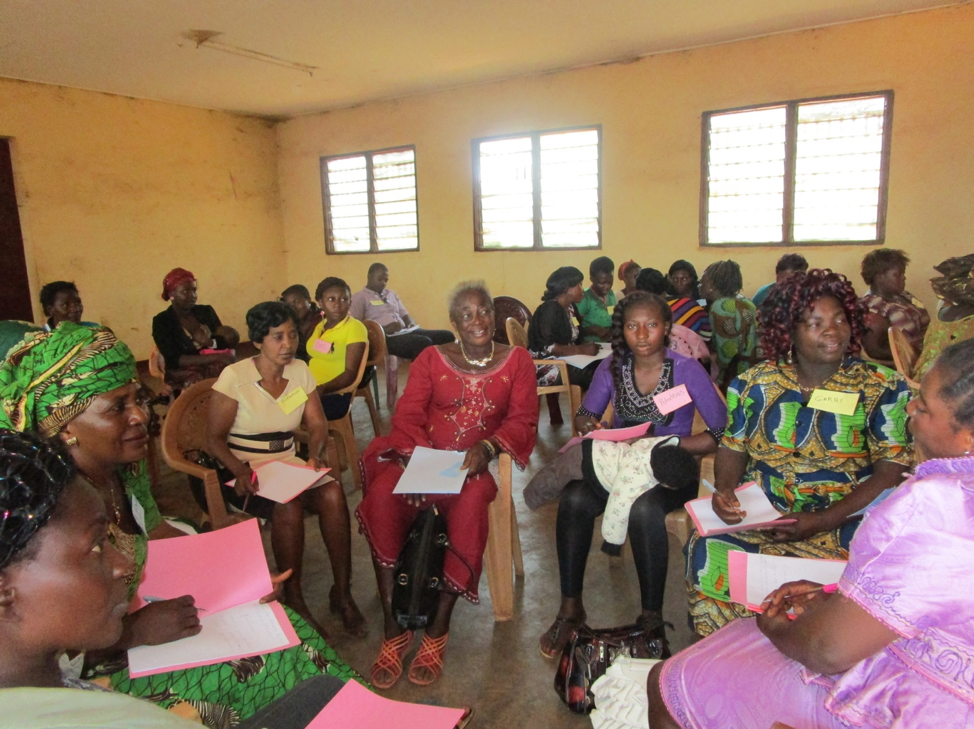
{"points": [[51, 377]]}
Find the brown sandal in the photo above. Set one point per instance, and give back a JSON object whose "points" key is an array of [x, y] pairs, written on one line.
{"points": [[557, 636], [390, 659], [430, 657]]}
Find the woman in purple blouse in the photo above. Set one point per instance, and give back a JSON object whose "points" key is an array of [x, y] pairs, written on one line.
{"points": [[894, 645], [641, 369]]}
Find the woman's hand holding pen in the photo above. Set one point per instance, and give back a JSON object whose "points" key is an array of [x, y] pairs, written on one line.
{"points": [[164, 621], [727, 507], [246, 483], [585, 424], [789, 601]]}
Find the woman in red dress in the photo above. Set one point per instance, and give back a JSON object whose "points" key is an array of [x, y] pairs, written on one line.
{"points": [[475, 396]]}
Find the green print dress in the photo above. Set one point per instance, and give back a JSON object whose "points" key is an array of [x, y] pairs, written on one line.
{"points": [[804, 459], [223, 694], [733, 320]]}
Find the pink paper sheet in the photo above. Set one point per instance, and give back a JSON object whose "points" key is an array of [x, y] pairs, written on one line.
{"points": [[612, 434], [355, 707], [704, 504], [737, 573], [282, 619], [220, 569]]}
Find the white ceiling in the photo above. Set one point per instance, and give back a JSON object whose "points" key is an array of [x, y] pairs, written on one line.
{"points": [[368, 49]]}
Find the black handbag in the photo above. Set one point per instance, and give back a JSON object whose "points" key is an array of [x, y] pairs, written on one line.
{"points": [[588, 655], [418, 574]]}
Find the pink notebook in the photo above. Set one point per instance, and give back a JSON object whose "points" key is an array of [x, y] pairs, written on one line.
{"points": [[355, 707], [752, 577], [613, 434], [760, 513]]}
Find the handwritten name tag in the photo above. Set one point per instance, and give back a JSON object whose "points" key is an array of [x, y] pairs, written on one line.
{"points": [[672, 399], [322, 345], [290, 402], [840, 403], [377, 302]]}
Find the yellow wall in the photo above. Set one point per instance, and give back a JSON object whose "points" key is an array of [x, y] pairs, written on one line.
{"points": [[114, 192], [650, 116]]}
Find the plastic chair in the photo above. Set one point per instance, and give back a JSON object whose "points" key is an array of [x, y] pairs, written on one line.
{"points": [[507, 307], [904, 355], [519, 338], [502, 557], [184, 430], [678, 522], [377, 353]]}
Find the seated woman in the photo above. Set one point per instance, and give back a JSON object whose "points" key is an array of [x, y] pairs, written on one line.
{"points": [[641, 368], [683, 340], [891, 647], [628, 272], [308, 313], [475, 396], [685, 299], [79, 385], [256, 406], [62, 302], [955, 318], [336, 347], [889, 304], [55, 541], [733, 320], [553, 331], [817, 465], [190, 337]]}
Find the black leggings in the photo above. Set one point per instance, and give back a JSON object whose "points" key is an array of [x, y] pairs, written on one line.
{"points": [[582, 501]]}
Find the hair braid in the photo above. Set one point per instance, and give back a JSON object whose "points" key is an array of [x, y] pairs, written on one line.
{"points": [[957, 364]]}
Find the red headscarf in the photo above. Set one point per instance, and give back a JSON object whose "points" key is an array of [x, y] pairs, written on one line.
{"points": [[623, 267], [173, 279]]}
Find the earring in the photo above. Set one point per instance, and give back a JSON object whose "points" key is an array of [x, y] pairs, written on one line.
{"points": [[72, 441]]}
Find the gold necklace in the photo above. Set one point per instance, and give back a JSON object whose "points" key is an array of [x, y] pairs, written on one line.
{"points": [[111, 494], [478, 362]]}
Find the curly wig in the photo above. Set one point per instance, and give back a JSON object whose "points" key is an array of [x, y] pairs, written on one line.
{"points": [[620, 350], [788, 301]]}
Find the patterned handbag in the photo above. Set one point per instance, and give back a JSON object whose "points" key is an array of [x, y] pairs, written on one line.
{"points": [[588, 655]]}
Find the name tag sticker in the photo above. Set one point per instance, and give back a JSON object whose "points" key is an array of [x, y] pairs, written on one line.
{"points": [[377, 302], [322, 345], [290, 402], [840, 403], [672, 399]]}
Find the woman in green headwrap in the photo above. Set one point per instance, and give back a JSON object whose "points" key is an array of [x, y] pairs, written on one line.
{"points": [[79, 384]]}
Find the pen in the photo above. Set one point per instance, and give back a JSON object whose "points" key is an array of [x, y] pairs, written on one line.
{"points": [[253, 477], [709, 486], [153, 598]]}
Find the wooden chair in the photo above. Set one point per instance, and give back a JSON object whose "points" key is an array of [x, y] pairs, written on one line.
{"points": [[678, 523], [342, 430], [502, 558], [518, 338], [184, 430], [377, 353], [904, 355]]}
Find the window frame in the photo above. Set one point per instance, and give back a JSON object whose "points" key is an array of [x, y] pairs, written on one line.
{"points": [[370, 185], [478, 233], [791, 146]]}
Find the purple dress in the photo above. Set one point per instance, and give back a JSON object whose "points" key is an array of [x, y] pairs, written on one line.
{"points": [[635, 407], [909, 568]]}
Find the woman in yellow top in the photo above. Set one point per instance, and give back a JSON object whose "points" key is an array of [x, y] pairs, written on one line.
{"points": [[336, 346]]}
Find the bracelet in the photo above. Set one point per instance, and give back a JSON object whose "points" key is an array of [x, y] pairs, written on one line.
{"points": [[491, 448]]}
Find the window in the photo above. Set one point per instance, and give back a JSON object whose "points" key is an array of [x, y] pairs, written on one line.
{"points": [[810, 171], [370, 201], [538, 191]]}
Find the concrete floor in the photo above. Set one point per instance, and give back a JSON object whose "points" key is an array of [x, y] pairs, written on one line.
{"points": [[494, 667]]}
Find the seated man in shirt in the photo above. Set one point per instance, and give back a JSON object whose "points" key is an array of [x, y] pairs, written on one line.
{"points": [[404, 338], [787, 265], [595, 308]]}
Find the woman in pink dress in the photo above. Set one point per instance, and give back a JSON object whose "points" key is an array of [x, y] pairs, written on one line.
{"points": [[894, 645], [474, 396]]}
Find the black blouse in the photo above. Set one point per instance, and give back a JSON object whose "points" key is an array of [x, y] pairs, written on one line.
{"points": [[173, 342], [550, 325]]}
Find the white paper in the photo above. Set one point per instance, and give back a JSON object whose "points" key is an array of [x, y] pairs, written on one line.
{"points": [[432, 472], [753, 501], [404, 330], [248, 629], [584, 360], [766, 573], [281, 482]]}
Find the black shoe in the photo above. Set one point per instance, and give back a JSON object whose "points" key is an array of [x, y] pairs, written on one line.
{"points": [[655, 644]]}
